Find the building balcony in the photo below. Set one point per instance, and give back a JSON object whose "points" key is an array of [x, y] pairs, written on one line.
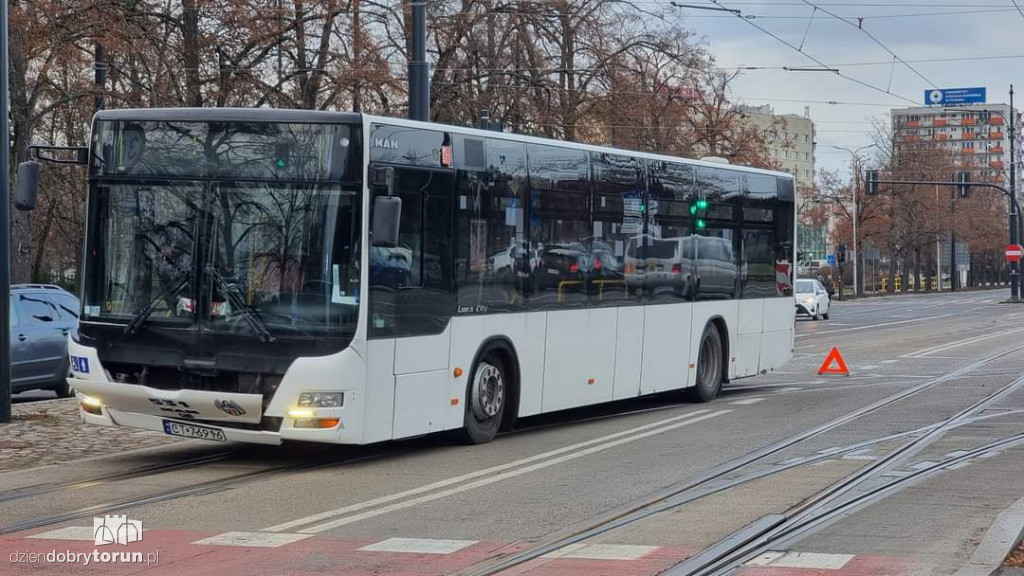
{"points": [[996, 120], [942, 136], [996, 164], [969, 122], [912, 124], [995, 150], [969, 136], [939, 122], [995, 135]]}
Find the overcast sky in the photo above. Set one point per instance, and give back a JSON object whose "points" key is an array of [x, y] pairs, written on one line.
{"points": [[912, 29]]}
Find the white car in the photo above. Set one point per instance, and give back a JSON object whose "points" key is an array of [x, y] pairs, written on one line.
{"points": [[812, 299]]}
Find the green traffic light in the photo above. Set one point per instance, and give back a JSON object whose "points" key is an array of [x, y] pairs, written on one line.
{"points": [[693, 209], [702, 203], [701, 224], [280, 163]]}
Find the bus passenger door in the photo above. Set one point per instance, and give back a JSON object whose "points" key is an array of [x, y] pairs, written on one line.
{"points": [[412, 300]]}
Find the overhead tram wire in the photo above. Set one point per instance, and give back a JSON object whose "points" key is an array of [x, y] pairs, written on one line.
{"points": [[873, 38], [815, 60], [1017, 6]]}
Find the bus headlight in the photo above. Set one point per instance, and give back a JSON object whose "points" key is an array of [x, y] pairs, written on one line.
{"points": [[91, 405], [321, 399]]}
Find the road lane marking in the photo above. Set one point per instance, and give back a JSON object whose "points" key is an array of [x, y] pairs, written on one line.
{"points": [[500, 477], [815, 560], [602, 552], [68, 533], [882, 325], [251, 539], [418, 546], [925, 352], [745, 401], [471, 475]]}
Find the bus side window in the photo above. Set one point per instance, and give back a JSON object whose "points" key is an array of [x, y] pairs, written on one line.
{"points": [[410, 292]]}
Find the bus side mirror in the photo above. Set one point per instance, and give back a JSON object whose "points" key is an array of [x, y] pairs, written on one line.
{"points": [[387, 211], [27, 189]]}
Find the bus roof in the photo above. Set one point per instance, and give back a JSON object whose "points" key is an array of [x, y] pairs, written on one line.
{"points": [[321, 116], [552, 142], [228, 115]]}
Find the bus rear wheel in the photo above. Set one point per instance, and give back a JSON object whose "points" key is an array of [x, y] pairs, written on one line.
{"points": [[486, 400], [709, 366]]}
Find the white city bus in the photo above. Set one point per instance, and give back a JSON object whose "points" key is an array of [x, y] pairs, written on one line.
{"points": [[261, 275]]}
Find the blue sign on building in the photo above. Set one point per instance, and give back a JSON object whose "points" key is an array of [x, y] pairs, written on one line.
{"points": [[954, 96]]}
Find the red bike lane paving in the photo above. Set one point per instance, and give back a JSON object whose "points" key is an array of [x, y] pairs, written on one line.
{"points": [[176, 552]]}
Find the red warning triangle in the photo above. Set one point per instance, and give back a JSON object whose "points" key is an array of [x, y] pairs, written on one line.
{"points": [[834, 357]]}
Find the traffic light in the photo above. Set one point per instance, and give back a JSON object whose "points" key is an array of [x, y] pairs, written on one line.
{"points": [[963, 180], [871, 182], [698, 209], [282, 150], [841, 256]]}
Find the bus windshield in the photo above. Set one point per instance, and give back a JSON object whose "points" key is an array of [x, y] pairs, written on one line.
{"points": [[194, 254]]}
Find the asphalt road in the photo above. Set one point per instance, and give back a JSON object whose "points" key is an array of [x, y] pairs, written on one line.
{"points": [[631, 488]]}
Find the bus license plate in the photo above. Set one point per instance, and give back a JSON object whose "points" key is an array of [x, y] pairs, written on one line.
{"points": [[193, 431]]}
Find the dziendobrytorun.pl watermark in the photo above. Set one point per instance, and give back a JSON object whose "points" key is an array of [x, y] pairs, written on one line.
{"points": [[85, 558]]}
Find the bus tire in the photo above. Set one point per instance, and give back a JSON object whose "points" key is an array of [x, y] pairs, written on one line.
{"points": [[709, 366], [486, 399]]}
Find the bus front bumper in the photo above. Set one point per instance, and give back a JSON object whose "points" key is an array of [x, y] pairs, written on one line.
{"points": [[113, 417]]}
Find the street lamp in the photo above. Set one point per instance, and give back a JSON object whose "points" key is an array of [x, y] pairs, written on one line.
{"points": [[856, 186]]}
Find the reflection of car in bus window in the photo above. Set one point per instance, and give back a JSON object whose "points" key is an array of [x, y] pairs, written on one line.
{"points": [[604, 265], [665, 265], [559, 262], [507, 263], [716, 266]]}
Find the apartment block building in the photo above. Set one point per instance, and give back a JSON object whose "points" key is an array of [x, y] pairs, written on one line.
{"points": [[978, 134], [791, 144]]}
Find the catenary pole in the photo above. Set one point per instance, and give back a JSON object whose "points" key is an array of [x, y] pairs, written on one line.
{"points": [[5, 226]]}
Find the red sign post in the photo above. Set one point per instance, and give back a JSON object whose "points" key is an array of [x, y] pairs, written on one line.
{"points": [[1014, 252]]}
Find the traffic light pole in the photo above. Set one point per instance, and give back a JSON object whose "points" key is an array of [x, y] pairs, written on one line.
{"points": [[953, 272], [1014, 207], [873, 181], [5, 228]]}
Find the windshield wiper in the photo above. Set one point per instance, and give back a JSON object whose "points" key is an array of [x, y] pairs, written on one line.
{"points": [[237, 302], [175, 285]]}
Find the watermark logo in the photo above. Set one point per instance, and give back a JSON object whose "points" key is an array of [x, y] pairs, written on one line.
{"points": [[113, 529]]}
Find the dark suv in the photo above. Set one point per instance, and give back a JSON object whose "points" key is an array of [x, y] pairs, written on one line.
{"points": [[41, 317]]}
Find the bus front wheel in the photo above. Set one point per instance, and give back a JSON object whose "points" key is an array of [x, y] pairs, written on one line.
{"points": [[486, 400], [709, 366]]}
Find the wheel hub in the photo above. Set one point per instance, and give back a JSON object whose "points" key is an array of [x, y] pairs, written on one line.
{"points": [[488, 391]]}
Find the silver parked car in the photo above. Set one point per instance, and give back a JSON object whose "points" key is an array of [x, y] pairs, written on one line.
{"points": [[41, 317]]}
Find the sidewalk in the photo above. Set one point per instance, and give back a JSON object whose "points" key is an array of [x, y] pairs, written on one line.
{"points": [[50, 432]]}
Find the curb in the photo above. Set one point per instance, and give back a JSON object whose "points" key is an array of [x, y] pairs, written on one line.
{"points": [[1000, 539]]}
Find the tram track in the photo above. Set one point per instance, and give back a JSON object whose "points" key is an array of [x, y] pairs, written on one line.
{"points": [[232, 481], [689, 490], [203, 488], [135, 473], [742, 546]]}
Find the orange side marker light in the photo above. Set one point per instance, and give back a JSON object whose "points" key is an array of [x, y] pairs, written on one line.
{"points": [[834, 357]]}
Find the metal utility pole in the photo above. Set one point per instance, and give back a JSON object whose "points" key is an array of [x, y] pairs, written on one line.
{"points": [[100, 78], [953, 272], [5, 227], [1014, 215], [858, 289], [419, 81]]}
